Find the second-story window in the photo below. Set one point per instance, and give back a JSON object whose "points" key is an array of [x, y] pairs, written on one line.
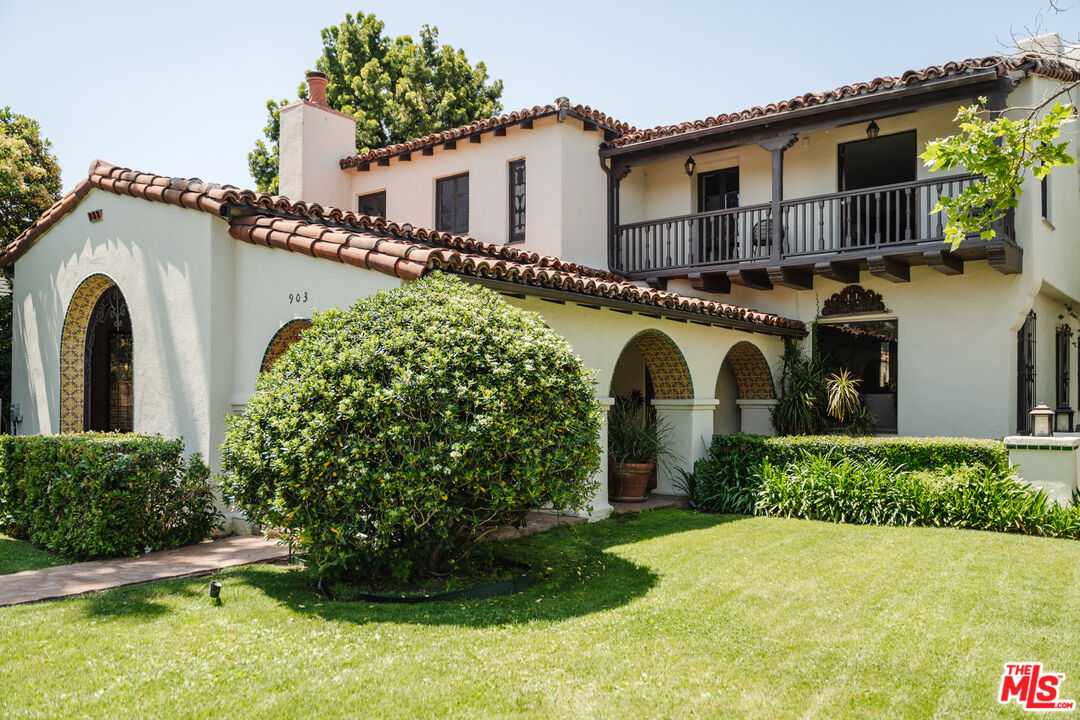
{"points": [[452, 204], [372, 204], [517, 201]]}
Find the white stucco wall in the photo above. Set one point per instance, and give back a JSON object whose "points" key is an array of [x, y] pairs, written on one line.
{"points": [[162, 259], [565, 187], [264, 280]]}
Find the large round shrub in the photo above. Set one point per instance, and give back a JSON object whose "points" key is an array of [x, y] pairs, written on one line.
{"points": [[389, 437]]}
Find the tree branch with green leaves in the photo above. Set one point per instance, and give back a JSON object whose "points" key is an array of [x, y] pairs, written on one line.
{"points": [[1001, 152]]}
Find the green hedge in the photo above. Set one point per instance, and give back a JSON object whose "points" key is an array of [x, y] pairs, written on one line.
{"points": [[726, 480], [872, 493], [103, 495]]}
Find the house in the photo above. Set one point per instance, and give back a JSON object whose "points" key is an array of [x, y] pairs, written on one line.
{"points": [[152, 303]]}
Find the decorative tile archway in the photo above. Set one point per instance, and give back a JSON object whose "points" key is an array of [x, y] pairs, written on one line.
{"points": [[752, 375], [667, 366], [73, 351], [283, 338]]}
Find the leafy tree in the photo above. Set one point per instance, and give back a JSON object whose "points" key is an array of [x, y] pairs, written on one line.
{"points": [[396, 89], [29, 185]]}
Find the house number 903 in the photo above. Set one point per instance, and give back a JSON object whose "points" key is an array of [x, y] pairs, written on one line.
{"points": [[298, 297]]}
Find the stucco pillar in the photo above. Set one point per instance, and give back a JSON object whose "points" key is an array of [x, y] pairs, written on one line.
{"points": [[1047, 463], [601, 508], [756, 416], [691, 423]]}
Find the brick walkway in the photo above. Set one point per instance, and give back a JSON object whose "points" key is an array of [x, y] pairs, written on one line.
{"points": [[66, 580]]}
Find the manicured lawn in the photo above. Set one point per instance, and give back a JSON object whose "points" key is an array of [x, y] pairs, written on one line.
{"points": [[16, 556], [667, 615]]}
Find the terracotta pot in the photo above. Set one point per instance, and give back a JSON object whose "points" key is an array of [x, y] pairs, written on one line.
{"points": [[629, 482]]}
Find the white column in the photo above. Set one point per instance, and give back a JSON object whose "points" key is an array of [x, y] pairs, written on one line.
{"points": [[601, 508], [756, 416], [691, 423]]}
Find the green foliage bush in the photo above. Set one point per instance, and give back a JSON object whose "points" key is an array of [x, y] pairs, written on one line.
{"points": [[872, 493], [727, 479], [104, 495], [391, 436]]}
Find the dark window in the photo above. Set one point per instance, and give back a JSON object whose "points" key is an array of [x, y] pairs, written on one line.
{"points": [[452, 204], [1044, 188], [1063, 340], [517, 201], [372, 204], [1025, 374], [718, 190]]}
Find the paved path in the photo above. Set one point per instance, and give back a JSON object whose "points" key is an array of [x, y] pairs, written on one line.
{"points": [[76, 579]]}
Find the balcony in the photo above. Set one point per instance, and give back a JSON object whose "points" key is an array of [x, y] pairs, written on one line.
{"points": [[884, 230]]}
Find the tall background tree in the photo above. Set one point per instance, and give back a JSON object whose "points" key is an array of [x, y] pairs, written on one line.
{"points": [[395, 88], [29, 184]]}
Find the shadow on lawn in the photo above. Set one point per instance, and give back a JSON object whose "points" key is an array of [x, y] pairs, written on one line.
{"points": [[576, 575], [140, 602]]}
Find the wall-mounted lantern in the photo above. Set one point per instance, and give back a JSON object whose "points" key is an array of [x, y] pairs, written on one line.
{"points": [[872, 131], [1040, 421], [689, 165]]}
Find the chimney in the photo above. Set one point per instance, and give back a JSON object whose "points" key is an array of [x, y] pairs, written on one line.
{"points": [[317, 88], [1047, 45], [313, 140]]}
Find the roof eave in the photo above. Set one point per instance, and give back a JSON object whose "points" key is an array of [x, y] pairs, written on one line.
{"points": [[676, 314], [988, 79]]}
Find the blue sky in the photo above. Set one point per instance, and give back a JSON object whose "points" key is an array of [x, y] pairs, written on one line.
{"points": [[180, 88]]}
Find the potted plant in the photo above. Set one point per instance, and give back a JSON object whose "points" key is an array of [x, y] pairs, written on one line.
{"points": [[637, 443]]}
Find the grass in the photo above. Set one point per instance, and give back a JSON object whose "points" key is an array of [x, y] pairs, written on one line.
{"points": [[16, 556], [667, 615]]}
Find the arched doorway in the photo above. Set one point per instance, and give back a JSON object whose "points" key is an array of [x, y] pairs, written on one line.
{"points": [[97, 360], [286, 335], [745, 391], [652, 364]]}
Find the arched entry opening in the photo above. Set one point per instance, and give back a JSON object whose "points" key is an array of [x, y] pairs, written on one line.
{"points": [[745, 391], [97, 360], [652, 364], [283, 338]]}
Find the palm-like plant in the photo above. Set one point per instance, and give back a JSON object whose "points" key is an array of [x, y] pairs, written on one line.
{"points": [[633, 435], [843, 394]]}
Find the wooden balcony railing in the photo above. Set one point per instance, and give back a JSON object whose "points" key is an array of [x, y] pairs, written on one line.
{"points": [[857, 220]]}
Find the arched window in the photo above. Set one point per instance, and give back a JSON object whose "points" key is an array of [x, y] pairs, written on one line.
{"points": [[97, 360]]}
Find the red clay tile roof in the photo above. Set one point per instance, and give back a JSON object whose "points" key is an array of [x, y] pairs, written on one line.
{"points": [[562, 106], [377, 244], [1034, 64]]}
